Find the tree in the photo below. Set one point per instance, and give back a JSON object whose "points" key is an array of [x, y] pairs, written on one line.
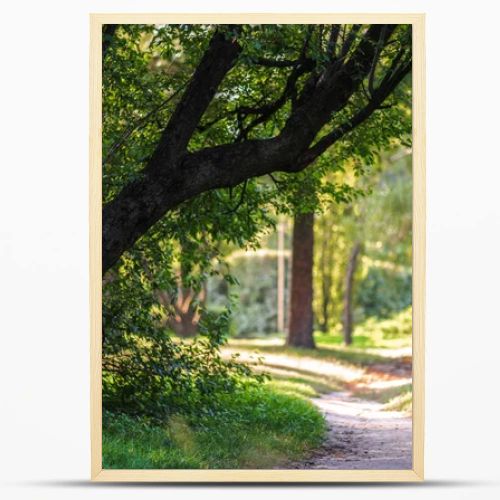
{"points": [[316, 96], [208, 133], [325, 268], [349, 281], [380, 283], [300, 333], [185, 316], [281, 275]]}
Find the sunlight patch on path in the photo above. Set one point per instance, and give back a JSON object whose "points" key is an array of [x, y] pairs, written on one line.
{"points": [[342, 372]]}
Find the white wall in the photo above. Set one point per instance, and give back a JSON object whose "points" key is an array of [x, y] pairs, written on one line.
{"points": [[44, 377]]}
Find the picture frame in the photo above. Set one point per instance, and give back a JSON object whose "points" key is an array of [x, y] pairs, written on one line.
{"points": [[418, 285]]}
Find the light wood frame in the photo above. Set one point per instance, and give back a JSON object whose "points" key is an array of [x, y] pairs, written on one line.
{"points": [[244, 475]]}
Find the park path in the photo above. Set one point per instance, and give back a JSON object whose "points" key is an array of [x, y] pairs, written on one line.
{"points": [[361, 435]]}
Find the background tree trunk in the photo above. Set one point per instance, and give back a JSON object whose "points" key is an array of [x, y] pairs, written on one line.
{"points": [[187, 316], [184, 316], [325, 274], [349, 281], [280, 323], [300, 332]]}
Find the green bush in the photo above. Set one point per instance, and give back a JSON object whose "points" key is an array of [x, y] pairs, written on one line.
{"points": [[255, 312], [146, 372], [397, 326], [394, 332], [383, 292]]}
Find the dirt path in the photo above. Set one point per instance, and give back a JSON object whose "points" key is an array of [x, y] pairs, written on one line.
{"points": [[361, 436], [361, 433]]}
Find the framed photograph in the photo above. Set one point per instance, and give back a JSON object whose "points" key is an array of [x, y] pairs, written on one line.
{"points": [[257, 247]]}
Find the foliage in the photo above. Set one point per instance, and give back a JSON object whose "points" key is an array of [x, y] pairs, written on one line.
{"points": [[146, 371], [398, 326], [378, 343], [382, 221], [145, 71], [383, 291], [392, 332], [255, 311], [370, 337], [401, 402], [257, 427]]}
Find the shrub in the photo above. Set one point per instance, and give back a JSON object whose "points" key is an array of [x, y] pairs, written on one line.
{"points": [[383, 292], [147, 372]]}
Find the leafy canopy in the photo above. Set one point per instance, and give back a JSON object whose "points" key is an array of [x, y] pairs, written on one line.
{"points": [[145, 72]]}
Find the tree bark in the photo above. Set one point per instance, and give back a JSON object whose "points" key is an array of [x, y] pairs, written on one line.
{"points": [[325, 270], [300, 332], [280, 324], [184, 322], [349, 281], [174, 175]]}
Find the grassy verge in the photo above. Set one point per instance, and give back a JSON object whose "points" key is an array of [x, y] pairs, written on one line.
{"points": [[401, 402], [398, 398], [349, 355], [311, 386], [259, 427], [372, 340], [380, 348], [390, 333]]}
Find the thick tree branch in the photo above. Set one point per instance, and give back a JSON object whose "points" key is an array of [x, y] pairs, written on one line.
{"points": [[332, 41], [267, 110], [378, 97], [138, 125], [351, 37], [174, 175], [275, 63], [216, 62]]}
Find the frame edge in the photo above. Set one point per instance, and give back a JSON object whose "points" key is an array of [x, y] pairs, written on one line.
{"points": [[95, 250], [98, 474]]}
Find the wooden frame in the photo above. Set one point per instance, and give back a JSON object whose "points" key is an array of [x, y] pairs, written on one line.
{"points": [[418, 109]]}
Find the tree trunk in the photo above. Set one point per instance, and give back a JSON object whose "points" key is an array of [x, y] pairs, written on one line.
{"points": [[186, 318], [325, 308], [325, 270], [184, 310], [281, 278], [300, 332], [349, 281]]}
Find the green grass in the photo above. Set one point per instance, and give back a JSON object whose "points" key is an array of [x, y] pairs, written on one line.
{"points": [[370, 340], [401, 401], [304, 385], [259, 427], [375, 342], [350, 355], [390, 333], [396, 398], [293, 387]]}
